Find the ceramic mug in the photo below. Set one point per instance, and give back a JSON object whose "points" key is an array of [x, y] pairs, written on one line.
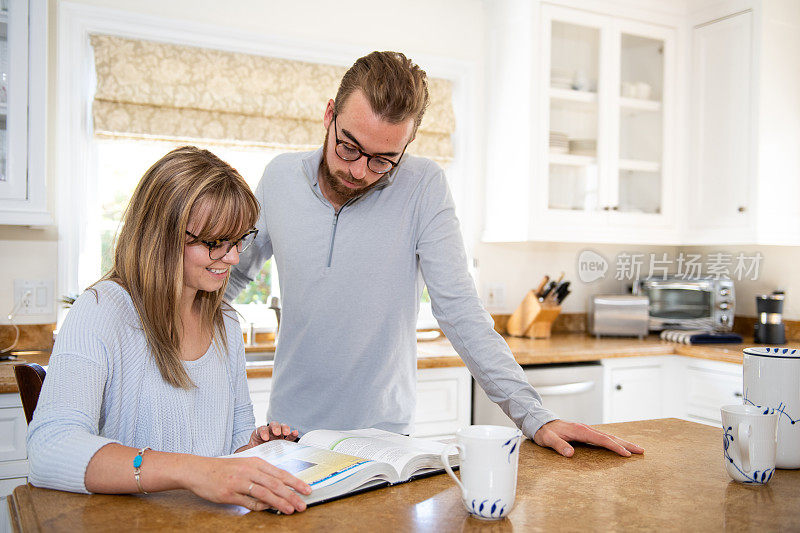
{"points": [[488, 458], [749, 442], [772, 380]]}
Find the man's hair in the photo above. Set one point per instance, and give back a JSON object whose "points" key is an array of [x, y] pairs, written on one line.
{"points": [[396, 88]]}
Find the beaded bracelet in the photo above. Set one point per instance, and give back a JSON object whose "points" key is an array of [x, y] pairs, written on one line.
{"points": [[137, 467]]}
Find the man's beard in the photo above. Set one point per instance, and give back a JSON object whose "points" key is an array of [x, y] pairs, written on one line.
{"points": [[334, 181]]}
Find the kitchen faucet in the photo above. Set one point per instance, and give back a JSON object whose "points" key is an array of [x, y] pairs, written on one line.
{"points": [[275, 305]]}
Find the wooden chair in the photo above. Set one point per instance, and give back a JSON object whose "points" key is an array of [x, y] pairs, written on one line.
{"points": [[30, 378]]}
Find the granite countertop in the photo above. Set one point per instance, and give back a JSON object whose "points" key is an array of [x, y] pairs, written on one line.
{"points": [[439, 353], [577, 347], [679, 483]]}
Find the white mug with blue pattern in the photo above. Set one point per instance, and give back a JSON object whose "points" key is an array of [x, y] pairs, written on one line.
{"points": [[749, 442], [772, 381], [488, 458]]}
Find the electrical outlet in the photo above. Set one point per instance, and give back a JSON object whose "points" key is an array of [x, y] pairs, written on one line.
{"points": [[495, 295], [33, 297]]}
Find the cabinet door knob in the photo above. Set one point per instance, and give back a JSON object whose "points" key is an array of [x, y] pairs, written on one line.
{"points": [[615, 208], [606, 208], [737, 394], [742, 209], [618, 387]]}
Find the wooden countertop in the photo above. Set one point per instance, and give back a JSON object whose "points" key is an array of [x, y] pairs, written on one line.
{"points": [[679, 483], [564, 348]]}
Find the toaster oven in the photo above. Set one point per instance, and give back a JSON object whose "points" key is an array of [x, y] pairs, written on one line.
{"points": [[677, 303]]}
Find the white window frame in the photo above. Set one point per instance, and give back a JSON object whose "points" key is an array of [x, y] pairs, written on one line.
{"points": [[75, 156]]}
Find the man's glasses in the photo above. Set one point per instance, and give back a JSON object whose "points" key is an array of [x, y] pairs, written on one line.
{"points": [[220, 248], [350, 152]]}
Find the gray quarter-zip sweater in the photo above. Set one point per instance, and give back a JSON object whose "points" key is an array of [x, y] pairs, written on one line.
{"points": [[350, 285]]}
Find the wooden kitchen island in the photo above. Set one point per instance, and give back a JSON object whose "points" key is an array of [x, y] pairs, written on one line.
{"points": [[679, 484]]}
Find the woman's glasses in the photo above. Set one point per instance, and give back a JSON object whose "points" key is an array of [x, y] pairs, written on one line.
{"points": [[220, 248]]}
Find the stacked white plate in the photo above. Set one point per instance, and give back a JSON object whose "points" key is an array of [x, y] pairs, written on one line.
{"points": [[559, 142], [560, 78], [560, 83], [582, 146]]}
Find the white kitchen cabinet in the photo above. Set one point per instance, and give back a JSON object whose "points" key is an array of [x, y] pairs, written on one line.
{"points": [[444, 401], [745, 104], [640, 388], [23, 44], [606, 89], [13, 451], [602, 125], [259, 394], [709, 386], [634, 389]]}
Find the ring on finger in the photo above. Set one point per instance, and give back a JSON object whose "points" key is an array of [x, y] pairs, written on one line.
{"points": [[249, 489]]}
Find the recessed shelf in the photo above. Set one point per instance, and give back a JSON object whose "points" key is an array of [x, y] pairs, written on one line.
{"points": [[572, 160], [636, 165], [639, 104]]}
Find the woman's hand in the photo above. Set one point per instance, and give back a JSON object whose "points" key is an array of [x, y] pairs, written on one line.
{"points": [[272, 431], [247, 481]]}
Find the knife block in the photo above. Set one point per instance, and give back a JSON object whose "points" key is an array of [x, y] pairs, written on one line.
{"points": [[533, 318]]}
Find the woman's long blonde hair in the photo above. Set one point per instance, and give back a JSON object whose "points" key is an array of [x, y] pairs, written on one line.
{"points": [[148, 258]]}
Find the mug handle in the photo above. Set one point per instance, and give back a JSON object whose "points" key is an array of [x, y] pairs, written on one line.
{"points": [[745, 430], [445, 457]]}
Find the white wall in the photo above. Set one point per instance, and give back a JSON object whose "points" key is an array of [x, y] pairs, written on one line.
{"points": [[518, 268]]}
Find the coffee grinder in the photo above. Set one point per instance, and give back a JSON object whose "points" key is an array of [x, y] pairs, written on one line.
{"points": [[769, 328]]}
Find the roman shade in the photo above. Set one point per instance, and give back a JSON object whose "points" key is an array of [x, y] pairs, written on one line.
{"points": [[165, 91]]}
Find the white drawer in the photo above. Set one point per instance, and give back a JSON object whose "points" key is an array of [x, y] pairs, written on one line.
{"points": [[7, 486], [13, 429], [710, 389], [444, 398]]}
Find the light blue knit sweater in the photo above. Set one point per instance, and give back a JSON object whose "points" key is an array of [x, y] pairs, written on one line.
{"points": [[103, 386]]}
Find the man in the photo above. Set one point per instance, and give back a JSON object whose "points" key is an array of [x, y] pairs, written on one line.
{"points": [[355, 228]]}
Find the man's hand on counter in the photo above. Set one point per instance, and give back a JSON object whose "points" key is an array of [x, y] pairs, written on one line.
{"points": [[559, 433]]}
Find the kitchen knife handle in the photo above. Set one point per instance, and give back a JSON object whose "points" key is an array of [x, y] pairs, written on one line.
{"points": [[548, 289], [542, 284]]}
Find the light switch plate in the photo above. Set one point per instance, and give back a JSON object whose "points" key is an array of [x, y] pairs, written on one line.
{"points": [[495, 295], [34, 297]]}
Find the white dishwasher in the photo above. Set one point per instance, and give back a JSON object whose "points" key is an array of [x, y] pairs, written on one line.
{"points": [[573, 391]]}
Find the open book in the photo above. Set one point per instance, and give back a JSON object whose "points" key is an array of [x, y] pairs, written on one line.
{"points": [[339, 463]]}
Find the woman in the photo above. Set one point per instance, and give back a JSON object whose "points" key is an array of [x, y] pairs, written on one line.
{"points": [[146, 385]]}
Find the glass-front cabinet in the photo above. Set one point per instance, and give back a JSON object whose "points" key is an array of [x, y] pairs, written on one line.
{"points": [[606, 94], [22, 112]]}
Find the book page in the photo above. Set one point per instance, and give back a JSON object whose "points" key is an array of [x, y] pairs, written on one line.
{"points": [[378, 445], [315, 466]]}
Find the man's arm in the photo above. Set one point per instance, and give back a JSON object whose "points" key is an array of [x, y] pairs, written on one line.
{"points": [[251, 261], [470, 329], [460, 313]]}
